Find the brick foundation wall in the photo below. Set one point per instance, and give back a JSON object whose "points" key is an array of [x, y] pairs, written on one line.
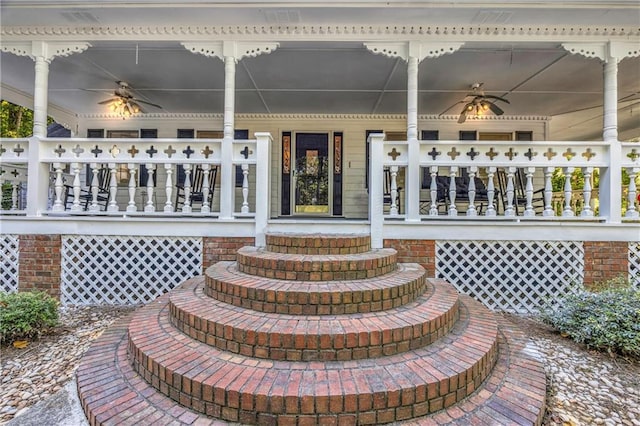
{"points": [[216, 249], [422, 252], [40, 263], [604, 260]]}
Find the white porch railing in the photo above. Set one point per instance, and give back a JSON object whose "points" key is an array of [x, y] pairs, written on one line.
{"points": [[454, 180], [505, 180], [61, 177]]}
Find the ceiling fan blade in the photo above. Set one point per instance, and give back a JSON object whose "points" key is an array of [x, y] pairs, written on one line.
{"points": [[497, 98], [448, 109], [495, 108], [108, 101], [463, 116], [140, 101]]}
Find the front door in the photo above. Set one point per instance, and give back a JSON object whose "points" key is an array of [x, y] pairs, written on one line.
{"points": [[311, 192]]}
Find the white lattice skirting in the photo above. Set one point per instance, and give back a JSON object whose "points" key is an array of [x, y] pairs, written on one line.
{"points": [[634, 264], [9, 250], [513, 276], [125, 270]]}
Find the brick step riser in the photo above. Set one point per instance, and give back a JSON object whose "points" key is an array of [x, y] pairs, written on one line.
{"points": [[324, 245], [323, 298], [513, 393], [313, 347], [284, 400], [292, 410], [316, 270], [315, 337]]}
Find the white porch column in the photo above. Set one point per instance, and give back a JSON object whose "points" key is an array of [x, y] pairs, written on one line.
{"points": [[42, 54], [230, 52], [40, 97], [413, 52], [376, 160], [227, 176], [611, 53], [263, 186], [611, 179], [412, 178]]}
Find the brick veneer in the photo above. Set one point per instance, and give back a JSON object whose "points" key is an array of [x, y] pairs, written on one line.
{"points": [[604, 260], [216, 249], [422, 252], [40, 263]]}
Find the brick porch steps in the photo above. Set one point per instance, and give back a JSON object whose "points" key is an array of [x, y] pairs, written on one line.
{"points": [[310, 346], [313, 337], [311, 244], [113, 394], [238, 388], [315, 267], [225, 283]]}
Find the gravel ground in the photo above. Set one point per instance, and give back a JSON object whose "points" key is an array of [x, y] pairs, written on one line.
{"points": [[584, 387]]}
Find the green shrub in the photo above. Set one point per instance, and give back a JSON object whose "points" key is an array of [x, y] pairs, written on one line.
{"points": [[607, 320], [26, 315]]}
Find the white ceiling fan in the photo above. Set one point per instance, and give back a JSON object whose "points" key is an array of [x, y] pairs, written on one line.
{"points": [[477, 102], [124, 102]]}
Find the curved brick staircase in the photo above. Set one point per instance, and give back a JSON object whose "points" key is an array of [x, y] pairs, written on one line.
{"points": [[313, 330]]}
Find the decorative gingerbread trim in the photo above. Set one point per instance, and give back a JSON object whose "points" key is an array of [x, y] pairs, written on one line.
{"points": [[235, 49], [589, 50], [256, 116], [46, 49], [361, 32]]}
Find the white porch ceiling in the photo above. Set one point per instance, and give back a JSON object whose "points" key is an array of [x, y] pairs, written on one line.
{"points": [[336, 76]]}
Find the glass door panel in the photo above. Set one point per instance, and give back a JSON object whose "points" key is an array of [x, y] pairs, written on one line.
{"points": [[311, 174]]}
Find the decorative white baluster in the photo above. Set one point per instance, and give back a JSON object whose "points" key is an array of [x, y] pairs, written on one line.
{"points": [[76, 207], [393, 210], [548, 192], [150, 207], [631, 208], [186, 207], [245, 189], [568, 210], [529, 211], [58, 206], [587, 211], [131, 207], [113, 184], [453, 171], [433, 211], [168, 205], [94, 188], [14, 193], [491, 191], [509, 210], [471, 190], [206, 170]]}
